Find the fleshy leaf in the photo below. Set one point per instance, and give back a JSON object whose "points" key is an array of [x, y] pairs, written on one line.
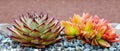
{"points": [[98, 36], [103, 43], [75, 19]]}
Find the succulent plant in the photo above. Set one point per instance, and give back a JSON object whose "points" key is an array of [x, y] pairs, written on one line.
{"points": [[35, 30], [90, 30]]}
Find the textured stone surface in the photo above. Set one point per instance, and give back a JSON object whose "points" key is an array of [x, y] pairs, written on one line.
{"points": [[6, 44]]}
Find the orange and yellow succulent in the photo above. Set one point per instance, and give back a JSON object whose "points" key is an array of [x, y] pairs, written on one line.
{"points": [[90, 30]]}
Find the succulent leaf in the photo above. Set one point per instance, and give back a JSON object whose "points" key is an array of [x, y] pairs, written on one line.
{"points": [[103, 43], [98, 36], [75, 19]]}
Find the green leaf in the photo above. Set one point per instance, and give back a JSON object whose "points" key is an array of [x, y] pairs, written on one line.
{"points": [[88, 25], [45, 36], [72, 31], [98, 36], [34, 33], [91, 33], [50, 42], [33, 25], [103, 43]]}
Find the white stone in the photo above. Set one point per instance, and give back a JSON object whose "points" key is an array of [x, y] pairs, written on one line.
{"points": [[36, 50], [117, 27], [113, 24], [4, 41], [3, 27]]}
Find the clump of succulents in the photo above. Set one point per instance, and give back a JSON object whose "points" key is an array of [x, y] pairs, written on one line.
{"points": [[90, 30], [35, 30]]}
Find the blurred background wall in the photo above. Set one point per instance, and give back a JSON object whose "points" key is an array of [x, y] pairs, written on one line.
{"points": [[61, 9]]}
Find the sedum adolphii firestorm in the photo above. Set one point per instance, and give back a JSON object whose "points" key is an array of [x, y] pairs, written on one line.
{"points": [[90, 30]]}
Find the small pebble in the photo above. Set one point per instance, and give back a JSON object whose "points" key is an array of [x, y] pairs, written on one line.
{"points": [[36, 50], [112, 48], [99, 50], [117, 27], [93, 50], [87, 49], [105, 49], [87, 45]]}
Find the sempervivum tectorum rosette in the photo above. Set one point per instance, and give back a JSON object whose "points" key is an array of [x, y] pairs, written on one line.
{"points": [[35, 30], [90, 30]]}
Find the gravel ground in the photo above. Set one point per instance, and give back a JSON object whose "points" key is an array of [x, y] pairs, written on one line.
{"points": [[6, 44], [60, 9]]}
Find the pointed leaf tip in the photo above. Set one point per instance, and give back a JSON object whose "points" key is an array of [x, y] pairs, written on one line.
{"points": [[103, 43]]}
